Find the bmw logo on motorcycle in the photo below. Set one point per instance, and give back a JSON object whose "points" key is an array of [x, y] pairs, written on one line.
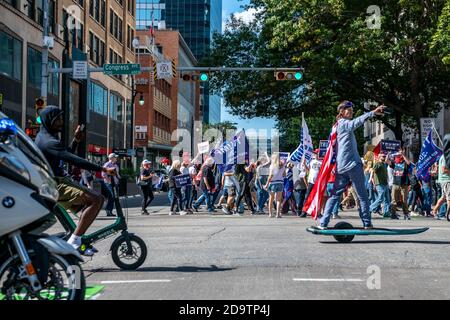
{"points": [[8, 202]]}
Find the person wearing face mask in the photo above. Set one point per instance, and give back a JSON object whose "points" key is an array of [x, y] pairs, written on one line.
{"points": [[111, 164], [349, 166]]}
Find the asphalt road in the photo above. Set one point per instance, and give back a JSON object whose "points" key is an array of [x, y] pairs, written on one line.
{"points": [[254, 257]]}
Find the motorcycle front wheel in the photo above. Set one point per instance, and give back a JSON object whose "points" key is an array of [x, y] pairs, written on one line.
{"points": [[65, 280]]}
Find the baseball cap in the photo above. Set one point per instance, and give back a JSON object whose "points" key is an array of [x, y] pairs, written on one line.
{"points": [[344, 105], [112, 155], [146, 162]]}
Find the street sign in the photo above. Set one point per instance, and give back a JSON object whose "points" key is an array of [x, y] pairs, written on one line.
{"points": [[80, 70], [121, 68], [131, 152], [141, 129], [120, 152], [164, 70]]}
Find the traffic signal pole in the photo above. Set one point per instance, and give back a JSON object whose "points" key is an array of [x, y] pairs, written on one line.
{"points": [[45, 70], [191, 69]]}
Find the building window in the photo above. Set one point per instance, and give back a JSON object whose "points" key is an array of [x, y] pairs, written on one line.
{"points": [[11, 61], [131, 7], [97, 50], [116, 107], [29, 7], [99, 99], [103, 14], [34, 58], [34, 68], [116, 26]]}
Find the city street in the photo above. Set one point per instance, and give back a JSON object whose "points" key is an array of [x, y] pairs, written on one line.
{"points": [[254, 257]]}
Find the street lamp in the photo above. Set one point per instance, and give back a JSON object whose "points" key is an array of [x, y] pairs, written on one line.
{"points": [[141, 100]]}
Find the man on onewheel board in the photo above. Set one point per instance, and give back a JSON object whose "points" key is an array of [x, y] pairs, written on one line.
{"points": [[349, 166]]}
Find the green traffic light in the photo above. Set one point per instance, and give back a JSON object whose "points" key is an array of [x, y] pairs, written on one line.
{"points": [[38, 120], [298, 75], [204, 77]]}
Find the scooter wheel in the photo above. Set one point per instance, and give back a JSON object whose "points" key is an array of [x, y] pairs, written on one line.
{"points": [[126, 259], [343, 239]]}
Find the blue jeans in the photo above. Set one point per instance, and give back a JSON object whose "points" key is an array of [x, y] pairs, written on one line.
{"points": [[206, 195], [382, 197], [187, 197], [262, 196], [356, 176], [427, 198], [330, 186], [110, 203], [300, 198]]}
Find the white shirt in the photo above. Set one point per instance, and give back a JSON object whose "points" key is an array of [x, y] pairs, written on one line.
{"points": [[314, 169], [192, 170], [184, 170], [277, 174]]}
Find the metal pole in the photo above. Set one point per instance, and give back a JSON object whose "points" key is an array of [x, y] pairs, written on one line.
{"points": [[44, 70], [191, 69]]}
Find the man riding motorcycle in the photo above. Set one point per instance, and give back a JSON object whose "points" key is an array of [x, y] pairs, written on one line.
{"points": [[72, 196]]}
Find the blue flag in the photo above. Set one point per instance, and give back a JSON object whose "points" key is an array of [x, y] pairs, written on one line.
{"points": [[429, 154]]}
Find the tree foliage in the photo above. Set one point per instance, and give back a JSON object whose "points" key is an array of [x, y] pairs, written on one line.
{"points": [[405, 64]]}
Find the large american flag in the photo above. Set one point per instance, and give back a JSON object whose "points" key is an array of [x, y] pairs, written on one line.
{"points": [[315, 199]]}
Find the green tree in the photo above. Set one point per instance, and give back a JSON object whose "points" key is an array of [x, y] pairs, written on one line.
{"points": [[404, 64]]}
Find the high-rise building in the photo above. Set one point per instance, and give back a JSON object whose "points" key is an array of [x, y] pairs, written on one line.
{"points": [[99, 31], [197, 21]]}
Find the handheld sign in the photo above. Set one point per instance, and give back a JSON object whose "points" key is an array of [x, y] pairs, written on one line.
{"points": [[323, 146], [284, 156], [183, 180], [392, 146], [203, 147]]}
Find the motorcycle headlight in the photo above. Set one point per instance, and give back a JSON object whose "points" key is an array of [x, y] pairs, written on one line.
{"points": [[13, 164], [48, 189]]}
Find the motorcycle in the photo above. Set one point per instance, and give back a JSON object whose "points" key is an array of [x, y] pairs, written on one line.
{"points": [[33, 265]]}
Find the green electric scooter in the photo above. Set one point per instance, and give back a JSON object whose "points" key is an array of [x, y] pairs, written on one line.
{"points": [[128, 251]]}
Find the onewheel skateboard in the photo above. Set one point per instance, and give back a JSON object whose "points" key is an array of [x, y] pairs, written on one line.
{"points": [[344, 232]]}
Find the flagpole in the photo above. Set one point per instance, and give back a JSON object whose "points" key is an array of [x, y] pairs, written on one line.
{"points": [[437, 133]]}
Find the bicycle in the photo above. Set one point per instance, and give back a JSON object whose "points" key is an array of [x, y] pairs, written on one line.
{"points": [[122, 249]]}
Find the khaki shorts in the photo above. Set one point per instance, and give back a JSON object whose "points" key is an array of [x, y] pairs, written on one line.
{"points": [[446, 190], [71, 194]]}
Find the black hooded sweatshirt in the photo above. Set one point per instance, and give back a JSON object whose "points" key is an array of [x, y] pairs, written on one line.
{"points": [[54, 150], [447, 150]]}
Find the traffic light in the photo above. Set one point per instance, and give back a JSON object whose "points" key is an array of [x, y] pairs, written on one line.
{"points": [[39, 104], [202, 77], [288, 75], [32, 131]]}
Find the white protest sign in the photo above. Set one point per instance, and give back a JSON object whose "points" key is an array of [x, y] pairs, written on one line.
{"points": [[427, 124], [203, 147]]}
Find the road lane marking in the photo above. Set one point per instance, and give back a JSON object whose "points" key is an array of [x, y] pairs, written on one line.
{"points": [[135, 281], [326, 280]]}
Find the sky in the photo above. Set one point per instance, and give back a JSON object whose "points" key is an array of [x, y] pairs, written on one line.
{"points": [[230, 7]]}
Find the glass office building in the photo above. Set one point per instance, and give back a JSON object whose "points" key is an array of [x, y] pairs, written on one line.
{"points": [[197, 21]]}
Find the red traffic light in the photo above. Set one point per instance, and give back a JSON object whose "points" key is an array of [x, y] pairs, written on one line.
{"points": [[40, 103], [280, 75], [186, 77]]}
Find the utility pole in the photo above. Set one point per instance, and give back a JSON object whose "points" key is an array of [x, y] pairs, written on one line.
{"points": [[45, 44]]}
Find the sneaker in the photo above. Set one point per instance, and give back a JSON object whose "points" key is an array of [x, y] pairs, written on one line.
{"points": [[172, 213], [183, 213], [144, 213], [94, 249], [415, 214], [394, 217], [219, 206], [195, 208], [369, 227], [303, 215], [336, 216], [407, 216], [110, 214], [321, 227]]}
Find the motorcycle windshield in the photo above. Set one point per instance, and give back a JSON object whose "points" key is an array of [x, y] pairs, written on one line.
{"points": [[29, 148]]}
